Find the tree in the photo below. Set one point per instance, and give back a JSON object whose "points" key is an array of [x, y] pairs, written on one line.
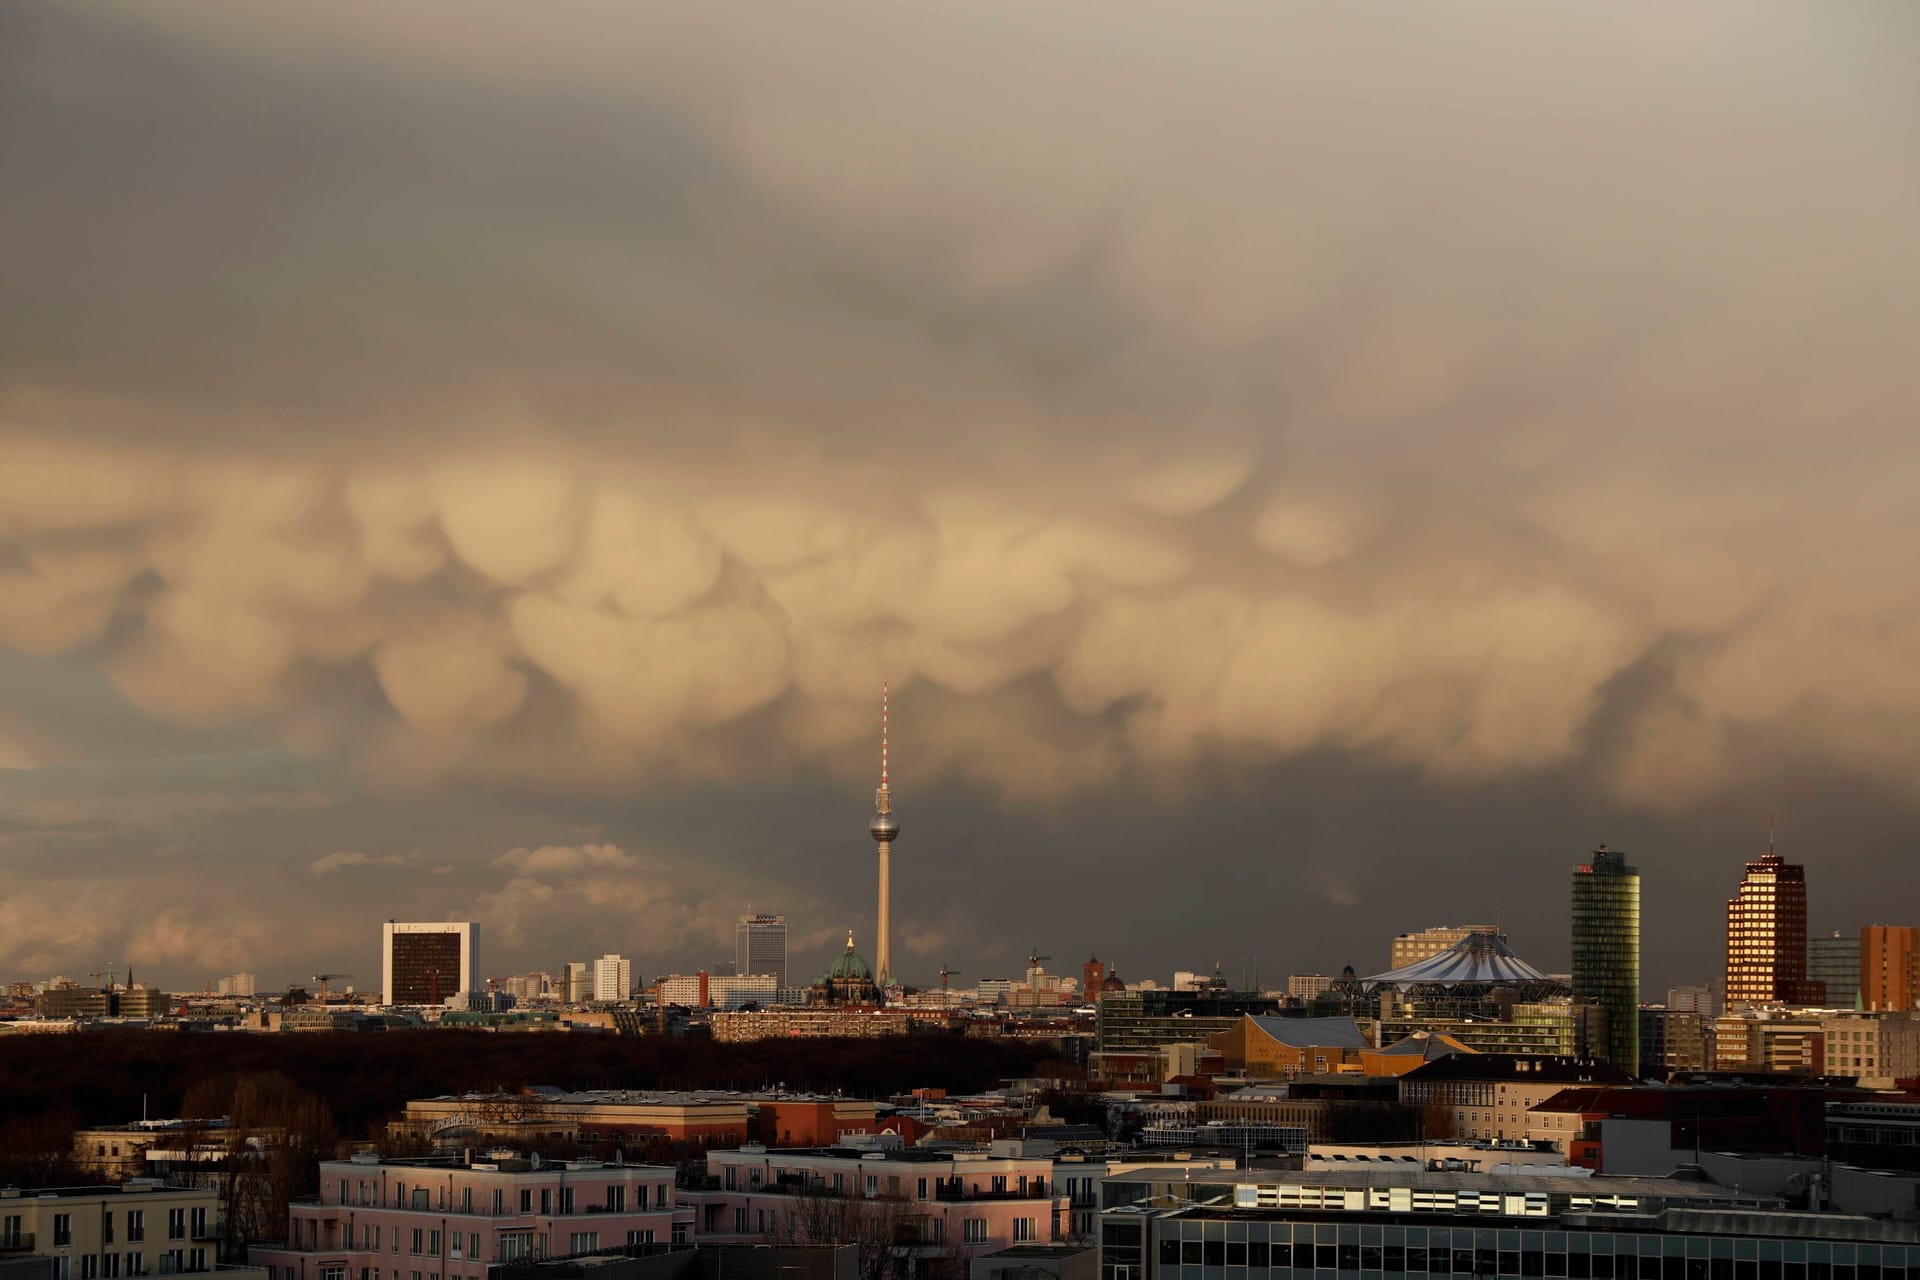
{"points": [[880, 1229]]}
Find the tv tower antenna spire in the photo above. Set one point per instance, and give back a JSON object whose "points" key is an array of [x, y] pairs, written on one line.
{"points": [[885, 830]]}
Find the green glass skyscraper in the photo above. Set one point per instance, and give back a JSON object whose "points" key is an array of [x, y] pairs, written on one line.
{"points": [[1606, 949]]}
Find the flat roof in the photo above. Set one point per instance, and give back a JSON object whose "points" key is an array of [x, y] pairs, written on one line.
{"points": [[1456, 1180]]}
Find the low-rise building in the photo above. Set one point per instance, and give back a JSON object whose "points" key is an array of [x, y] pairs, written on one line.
{"points": [[1491, 1096], [463, 1218], [935, 1204], [100, 1233]]}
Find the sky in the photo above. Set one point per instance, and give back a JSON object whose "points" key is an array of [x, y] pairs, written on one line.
{"points": [[1309, 473]]}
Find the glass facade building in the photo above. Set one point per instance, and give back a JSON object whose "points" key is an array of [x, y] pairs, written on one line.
{"points": [[1606, 949], [760, 946]]}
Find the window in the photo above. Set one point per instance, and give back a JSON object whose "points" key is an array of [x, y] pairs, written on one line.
{"points": [[110, 1266], [616, 1199], [396, 1239], [921, 1192], [106, 1226], [419, 1238], [976, 1231], [90, 1266], [726, 1178], [399, 1195], [176, 1224], [136, 1263], [639, 1237], [473, 1245], [566, 1200], [370, 1236], [659, 1195], [63, 1229], [197, 1261], [199, 1224], [999, 1182], [136, 1225], [433, 1243], [10, 1232], [1022, 1229], [583, 1242], [336, 1272], [466, 1199]]}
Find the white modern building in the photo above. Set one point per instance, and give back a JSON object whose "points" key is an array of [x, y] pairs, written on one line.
{"points": [[612, 978]]}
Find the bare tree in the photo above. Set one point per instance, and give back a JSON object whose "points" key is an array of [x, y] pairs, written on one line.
{"points": [[881, 1229]]}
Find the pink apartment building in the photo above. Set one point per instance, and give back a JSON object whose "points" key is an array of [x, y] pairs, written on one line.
{"points": [[930, 1204], [453, 1218]]}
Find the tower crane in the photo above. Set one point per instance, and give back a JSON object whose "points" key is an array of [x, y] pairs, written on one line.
{"points": [[1034, 959], [324, 978], [946, 971]]}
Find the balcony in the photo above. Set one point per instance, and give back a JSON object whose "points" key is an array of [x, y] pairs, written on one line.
{"points": [[953, 1194], [16, 1242]]}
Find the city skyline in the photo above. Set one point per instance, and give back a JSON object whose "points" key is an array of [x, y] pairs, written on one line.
{"points": [[1309, 477]]}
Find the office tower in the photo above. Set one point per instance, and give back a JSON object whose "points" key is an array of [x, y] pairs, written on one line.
{"points": [[1692, 1000], [579, 982], [1889, 968], [1411, 948], [1767, 936], [760, 946], [884, 830], [612, 978], [1606, 948], [428, 963], [1834, 963]]}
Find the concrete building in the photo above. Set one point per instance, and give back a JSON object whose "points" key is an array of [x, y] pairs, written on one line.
{"points": [[1889, 968], [1673, 1040], [1693, 1000], [1305, 986], [1767, 936], [429, 963], [827, 1020], [1389, 1222], [943, 1205], [578, 987], [459, 1217], [100, 1233], [1606, 948], [1871, 1048], [760, 947], [1750, 1039], [1834, 963], [612, 978], [1411, 948], [705, 991], [1491, 1096]]}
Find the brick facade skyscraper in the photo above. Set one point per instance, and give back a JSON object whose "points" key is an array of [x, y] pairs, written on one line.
{"points": [[1767, 936]]}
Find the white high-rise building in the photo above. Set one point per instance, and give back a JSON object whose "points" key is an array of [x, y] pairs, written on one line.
{"points": [[612, 978], [242, 984], [760, 946], [429, 963]]}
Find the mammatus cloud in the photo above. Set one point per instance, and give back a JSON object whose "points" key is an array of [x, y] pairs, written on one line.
{"points": [[593, 410]]}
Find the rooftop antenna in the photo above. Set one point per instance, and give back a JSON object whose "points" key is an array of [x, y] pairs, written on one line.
{"points": [[1769, 835]]}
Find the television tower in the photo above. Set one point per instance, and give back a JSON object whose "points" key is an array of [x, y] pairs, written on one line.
{"points": [[884, 830]]}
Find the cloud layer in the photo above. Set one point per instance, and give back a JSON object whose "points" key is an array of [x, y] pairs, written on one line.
{"points": [[611, 406]]}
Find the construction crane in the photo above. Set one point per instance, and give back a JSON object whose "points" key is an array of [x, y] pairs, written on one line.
{"points": [[1033, 974], [324, 978], [946, 971]]}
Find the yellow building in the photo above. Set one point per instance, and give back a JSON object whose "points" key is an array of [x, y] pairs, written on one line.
{"points": [[1265, 1046], [103, 1233]]}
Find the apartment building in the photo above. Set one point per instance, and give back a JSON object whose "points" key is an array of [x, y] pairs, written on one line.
{"points": [[934, 1204], [458, 1218], [104, 1233]]}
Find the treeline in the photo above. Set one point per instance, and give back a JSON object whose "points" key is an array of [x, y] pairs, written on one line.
{"points": [[107, 1077]]}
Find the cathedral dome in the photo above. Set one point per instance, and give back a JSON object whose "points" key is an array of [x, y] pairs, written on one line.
{"points": [[849, 967]]}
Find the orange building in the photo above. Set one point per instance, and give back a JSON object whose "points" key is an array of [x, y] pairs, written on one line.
{"points": [[1417, 1050], [1266, 1046], [809, 1122], [1889, 968]]}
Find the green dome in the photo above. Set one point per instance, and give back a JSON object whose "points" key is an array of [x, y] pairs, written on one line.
{"points": [[849, 965]]}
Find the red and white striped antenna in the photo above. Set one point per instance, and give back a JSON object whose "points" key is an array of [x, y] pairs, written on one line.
{"points": [[883, 733]]}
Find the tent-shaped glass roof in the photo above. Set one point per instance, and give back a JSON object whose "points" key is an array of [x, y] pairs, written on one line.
{"points": [[1478, 957]]}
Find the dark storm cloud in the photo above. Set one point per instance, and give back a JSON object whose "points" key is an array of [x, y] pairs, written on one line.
{"points": [[1333, 431]]}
